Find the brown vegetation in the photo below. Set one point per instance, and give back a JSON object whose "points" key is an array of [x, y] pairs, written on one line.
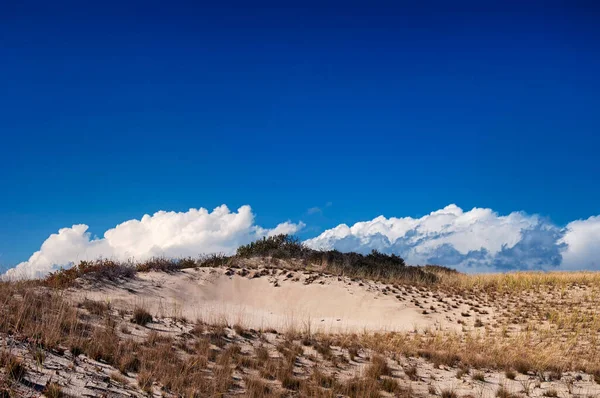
{"points": [[544, 325]]}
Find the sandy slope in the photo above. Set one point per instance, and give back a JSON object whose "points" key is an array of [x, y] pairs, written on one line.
{"points": [[263, 298]]}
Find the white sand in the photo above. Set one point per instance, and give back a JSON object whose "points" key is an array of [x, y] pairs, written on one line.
{"points": [[327, 304]]}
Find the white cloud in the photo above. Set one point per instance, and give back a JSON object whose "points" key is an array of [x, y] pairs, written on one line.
{"points": [[582, 238], [474, 241], [478, 240], [288, 228], [171, 234]]}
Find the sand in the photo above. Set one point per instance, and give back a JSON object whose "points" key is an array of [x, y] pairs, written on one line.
{"points": [[289, 299]]}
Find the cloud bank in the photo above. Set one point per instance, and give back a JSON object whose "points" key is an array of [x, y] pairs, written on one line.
{"points": [[478, 240], [170, 234]]}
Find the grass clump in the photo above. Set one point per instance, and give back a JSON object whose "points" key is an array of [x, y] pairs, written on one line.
{"points": [[53, 390], [378, 368], [257, 388], [448, 393], [510, 374], [502, 392], [14, 367], [141, 316]]}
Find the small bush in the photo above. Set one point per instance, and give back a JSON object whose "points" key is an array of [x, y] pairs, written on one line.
{"points": [[157, 264], [278, 246], [93, 270]]}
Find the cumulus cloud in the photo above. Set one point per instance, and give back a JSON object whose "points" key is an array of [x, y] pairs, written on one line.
{"points": [[478, 240], [170, 234], [582, 241]]}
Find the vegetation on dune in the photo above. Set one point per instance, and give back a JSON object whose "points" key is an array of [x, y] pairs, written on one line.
{"points": [[545, 324], [374, 265]]}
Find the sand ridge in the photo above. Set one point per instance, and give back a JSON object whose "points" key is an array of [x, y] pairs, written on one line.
{"points": [[274, 298]]}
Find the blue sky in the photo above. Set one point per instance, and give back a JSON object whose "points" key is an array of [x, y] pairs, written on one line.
{"points": [[112, 111]]}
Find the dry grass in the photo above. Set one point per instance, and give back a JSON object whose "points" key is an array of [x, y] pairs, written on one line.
{"points": [[517, 281], [53, 390], [378, 368], [13, 366], [550, 323], [141, 316]]}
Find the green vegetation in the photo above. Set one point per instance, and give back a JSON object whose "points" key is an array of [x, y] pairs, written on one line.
{"points": [[375, 265]]}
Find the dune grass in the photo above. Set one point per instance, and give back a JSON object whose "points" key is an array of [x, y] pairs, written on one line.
{"points": [[544, 322]]}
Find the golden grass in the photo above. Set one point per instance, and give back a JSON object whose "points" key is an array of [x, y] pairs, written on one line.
{"points": [[518, 281], [545, 322]]}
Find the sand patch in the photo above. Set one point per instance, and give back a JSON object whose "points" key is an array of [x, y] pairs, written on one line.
{"points": [[262, 300]]}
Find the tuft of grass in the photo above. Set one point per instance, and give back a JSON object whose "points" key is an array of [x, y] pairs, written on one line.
{"points": [[448, 393], [145, 381], [460, 372], [378, 368], [393, 387], [53, 390], [510, 374], [358, 387], [479, 376], [262, 353], [94, 307], [502, 392], [257, 388], [141, 316], [14, 367], [411, 372]]}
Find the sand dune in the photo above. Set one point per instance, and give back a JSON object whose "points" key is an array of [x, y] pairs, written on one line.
{"points": [[279, 299]]}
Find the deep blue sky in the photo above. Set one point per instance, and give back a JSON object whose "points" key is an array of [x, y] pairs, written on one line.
{"points": [[108, 112]]}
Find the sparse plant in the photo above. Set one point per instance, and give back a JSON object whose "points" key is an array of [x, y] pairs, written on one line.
{"points": [[411, 372], [53, 390], [378, 368], [448, 393], [510, 374], [141, 316], [478, 376], [13, 366]]}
